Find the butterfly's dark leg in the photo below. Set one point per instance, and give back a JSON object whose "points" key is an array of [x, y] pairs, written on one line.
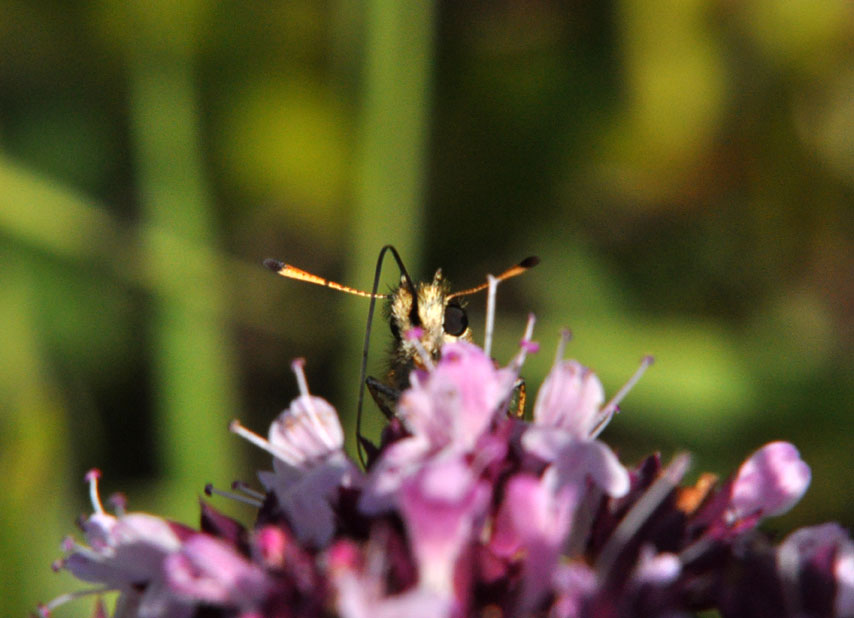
{"points": [[385, 396], [386, 399]]}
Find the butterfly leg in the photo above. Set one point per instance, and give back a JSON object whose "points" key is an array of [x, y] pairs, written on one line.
{"points": [[517, 403], [385, 396]]}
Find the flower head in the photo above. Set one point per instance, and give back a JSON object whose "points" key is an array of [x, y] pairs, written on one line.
{"points": [[467, 511]]}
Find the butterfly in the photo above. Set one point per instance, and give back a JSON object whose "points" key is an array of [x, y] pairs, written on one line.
{"points": [[429, 309]]}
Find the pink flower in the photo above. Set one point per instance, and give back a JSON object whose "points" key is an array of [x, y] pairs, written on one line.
{"points": [[769, 483], [309, 463], [656, 568], [125, 553], [208, 570], [441, 506], [533, 523], [359, 578], [448, 409], [570, 400], [465, 512], [567, 414], [456, 402], [400, 460]]}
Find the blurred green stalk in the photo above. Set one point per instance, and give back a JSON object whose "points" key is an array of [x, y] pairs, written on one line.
{"points": [[33, 448], [191, 352]]}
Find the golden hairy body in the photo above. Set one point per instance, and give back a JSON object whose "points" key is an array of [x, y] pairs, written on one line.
{"points": [[440, 317]]}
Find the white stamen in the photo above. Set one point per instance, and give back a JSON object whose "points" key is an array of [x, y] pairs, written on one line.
{"points": [[522, 354], [72, 545], [607, 413], [46, 608], [211, 490], [529, 327], [118, 502], [241, 486], [414, 337], [696, 549], [640, 513], [281, 451], [92, 477], [298, 367], [565, 337], [490, 314]]}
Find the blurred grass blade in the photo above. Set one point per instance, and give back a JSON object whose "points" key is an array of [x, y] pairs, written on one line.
{"points": [[191, 353]]}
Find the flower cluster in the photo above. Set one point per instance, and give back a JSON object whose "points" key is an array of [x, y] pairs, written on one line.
{"points": [[466, 510]]}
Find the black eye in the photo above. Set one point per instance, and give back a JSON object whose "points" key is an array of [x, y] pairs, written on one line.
{"points": [[456, 320], [395, 331]]}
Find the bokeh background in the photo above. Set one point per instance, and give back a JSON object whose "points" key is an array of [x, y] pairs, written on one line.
{"points": [[684, 168]]}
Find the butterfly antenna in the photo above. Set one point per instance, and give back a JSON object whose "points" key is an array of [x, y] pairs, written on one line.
{"points": [[523, 266], [292, 272], [363, 372]]}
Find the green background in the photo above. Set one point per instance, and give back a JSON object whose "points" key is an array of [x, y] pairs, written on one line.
{"points": [[684, 168]]}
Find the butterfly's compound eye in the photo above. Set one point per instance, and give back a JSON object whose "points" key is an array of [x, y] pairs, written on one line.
{"points": [[456, 320], [395, 330]]}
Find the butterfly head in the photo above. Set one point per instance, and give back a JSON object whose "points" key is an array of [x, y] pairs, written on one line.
{"points": [[430, 307]]}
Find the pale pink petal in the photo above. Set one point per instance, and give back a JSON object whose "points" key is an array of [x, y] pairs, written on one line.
{"points": [[535, 519], [399, 462], [580, 459], [307, 495], [606, 470], [481, 386], [770, 482], [569, 399], [457, 401], [439, 507], [98, 529], [358, 598], [306, 431], [545, 442], [126, 550], [208, 570]]}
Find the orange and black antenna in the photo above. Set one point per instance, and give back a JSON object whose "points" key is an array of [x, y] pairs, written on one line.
{"points": [[292, 272], [518, 269]]}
